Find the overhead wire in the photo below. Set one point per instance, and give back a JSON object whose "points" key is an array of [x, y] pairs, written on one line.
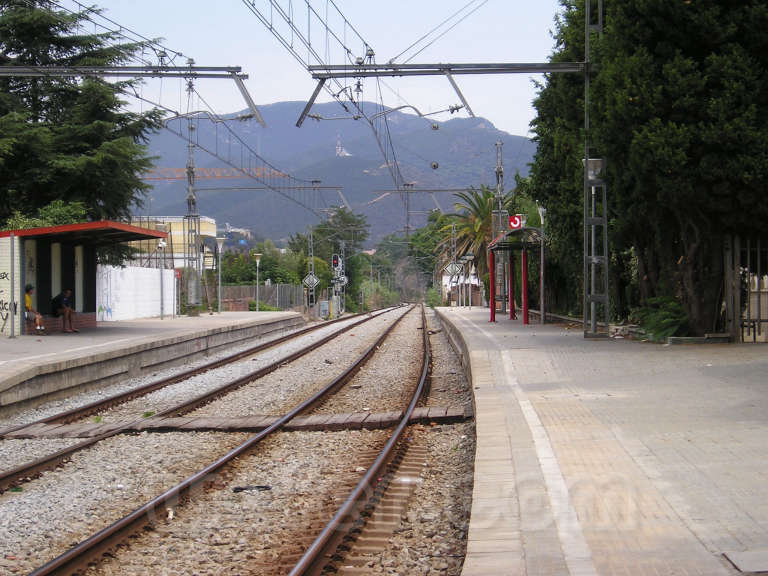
{"points": [[122, 31], [483, 2], [392, 60]]}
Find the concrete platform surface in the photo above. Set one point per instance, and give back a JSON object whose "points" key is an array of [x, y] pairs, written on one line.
{"points": [[613, 457], [25, 357]]}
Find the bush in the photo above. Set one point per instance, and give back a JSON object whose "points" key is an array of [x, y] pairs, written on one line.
{"points": [[661, 318], [262, 307], [432, 298]]}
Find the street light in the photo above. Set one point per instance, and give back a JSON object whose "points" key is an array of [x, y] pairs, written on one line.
{"points": [[258, 259], [220, 246]]}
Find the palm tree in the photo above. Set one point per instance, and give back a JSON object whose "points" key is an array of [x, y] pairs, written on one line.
{"points": [[474, 226]]}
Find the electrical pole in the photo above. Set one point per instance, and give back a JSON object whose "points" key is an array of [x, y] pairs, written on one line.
{"points": [[192, 246], [311, 291], [593, 179], [343, 291], [499, 225], [453, 260]]}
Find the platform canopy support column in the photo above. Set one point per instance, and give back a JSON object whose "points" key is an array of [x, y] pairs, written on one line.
{"points": [[492, 286], [524, 284], [512, 314]]}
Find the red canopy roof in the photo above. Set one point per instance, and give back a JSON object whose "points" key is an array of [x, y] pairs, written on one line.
{"points": [[101, 233]]}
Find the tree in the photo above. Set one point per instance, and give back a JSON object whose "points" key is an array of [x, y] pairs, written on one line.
{"points": [[56, 213], [681, 110], [66, 138], [474, 224], [680, 113], [342, 225], [556, 177]]}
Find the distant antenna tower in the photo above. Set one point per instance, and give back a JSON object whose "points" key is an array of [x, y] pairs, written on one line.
{"points": [[340, 152]]}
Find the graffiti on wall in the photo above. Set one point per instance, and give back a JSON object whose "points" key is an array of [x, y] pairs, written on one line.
{"points": [[6, 306]]}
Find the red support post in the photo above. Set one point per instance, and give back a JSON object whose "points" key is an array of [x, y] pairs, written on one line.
{"points": [[512, 314], [524, 287], [492, 282]]}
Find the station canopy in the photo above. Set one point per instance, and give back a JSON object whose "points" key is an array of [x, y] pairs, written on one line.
{"points": [[101, 233], [527, 237]]}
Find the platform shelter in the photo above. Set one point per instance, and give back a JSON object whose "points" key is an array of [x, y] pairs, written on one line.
{"points": [[53, 259], [525, 240]]}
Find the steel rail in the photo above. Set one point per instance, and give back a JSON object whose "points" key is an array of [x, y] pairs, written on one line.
{"points": [[85, 410], [316, 556], [105, 539], [30, 469]]}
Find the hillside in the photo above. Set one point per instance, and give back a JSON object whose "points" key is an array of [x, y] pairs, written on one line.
{"points": [[462, 147]]}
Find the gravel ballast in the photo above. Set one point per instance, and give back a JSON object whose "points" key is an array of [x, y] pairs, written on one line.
{"points": [[175, 394], [449, 384], [97, 487], [15, 452], [432, 536], [278, 392], [386, 382], [257, 511]]}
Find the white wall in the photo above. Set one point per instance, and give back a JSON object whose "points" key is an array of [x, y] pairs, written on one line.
{"points": [[8, 305], [132, 292]]}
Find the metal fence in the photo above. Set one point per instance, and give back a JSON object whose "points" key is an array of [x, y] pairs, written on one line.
{"points": [[283, 296]]}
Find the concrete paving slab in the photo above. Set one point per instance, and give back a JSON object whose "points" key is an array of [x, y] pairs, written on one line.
{"points": [[755, 561]]}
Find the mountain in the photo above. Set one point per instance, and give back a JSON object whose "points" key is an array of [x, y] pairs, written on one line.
{"points": [[462, 149]]}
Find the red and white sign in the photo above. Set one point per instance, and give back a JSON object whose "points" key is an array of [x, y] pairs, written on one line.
{"points": [[516, 222]]}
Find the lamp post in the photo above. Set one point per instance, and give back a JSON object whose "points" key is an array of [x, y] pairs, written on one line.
{"points": [[160, 248], [220, 246], [258, 259]]}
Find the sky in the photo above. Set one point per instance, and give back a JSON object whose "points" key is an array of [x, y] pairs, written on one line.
{"points": [[226, 33]]}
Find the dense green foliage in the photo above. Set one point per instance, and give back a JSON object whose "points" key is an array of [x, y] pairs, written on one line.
{"points": [[66, 138], [56, 213], [341, 226], [432, 297], [277, 266], [261, 307], [680, 112], [290, 265], [660, 318], [474, 223], [426, 243]]}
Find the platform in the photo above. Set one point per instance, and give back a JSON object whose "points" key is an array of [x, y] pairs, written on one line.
{"points": [[603, 457], [34, 366]]}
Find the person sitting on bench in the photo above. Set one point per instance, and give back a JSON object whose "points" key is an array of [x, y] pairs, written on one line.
{"points": [[30, 313], [61, 305]]}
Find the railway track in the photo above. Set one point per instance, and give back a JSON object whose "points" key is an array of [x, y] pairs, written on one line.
{"points": [[327, 551], [20, 474], [77, 558]]}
